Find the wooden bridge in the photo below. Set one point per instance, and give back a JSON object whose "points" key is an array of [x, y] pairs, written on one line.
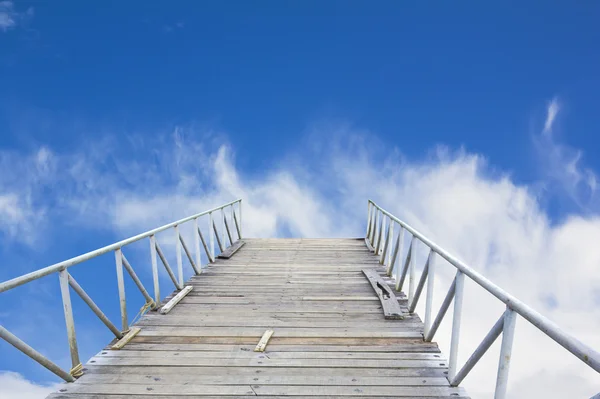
{"points": [[330, 337], [306, 318]]}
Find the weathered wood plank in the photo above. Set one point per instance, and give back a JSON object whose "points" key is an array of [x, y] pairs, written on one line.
{"points": [[258, 379], [266, 362], [152, 389], [279, 340], [259, 354], [389, 302], [133, 331], [417, 346], [231, 250], [281, 332], [264, 340], [175, 300], [306, 372]]}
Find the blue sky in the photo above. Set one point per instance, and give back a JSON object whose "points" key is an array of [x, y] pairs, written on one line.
{"points": [[112, 111]]}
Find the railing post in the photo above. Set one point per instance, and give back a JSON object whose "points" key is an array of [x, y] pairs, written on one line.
{"points": [[391, 239], [368, 220], [458, 300], [154, 270], [121, 285], [429, 297], [240, 209], [223, 227], [411, 270], [380, 234], [197, 245], [231, 217], [374, 228], [66, 299], [211, 235], [400, 272], [398, 252], [386, 243], [508, 333], [179, 260]]}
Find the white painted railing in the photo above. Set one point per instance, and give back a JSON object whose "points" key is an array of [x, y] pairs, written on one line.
{"points": [[379, 239], [67, 280]]}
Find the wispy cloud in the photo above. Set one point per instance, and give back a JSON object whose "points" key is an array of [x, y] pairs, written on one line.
{"points": [[563, 165], [171, 27], [485, 218], [551, 113], [10, 17]]}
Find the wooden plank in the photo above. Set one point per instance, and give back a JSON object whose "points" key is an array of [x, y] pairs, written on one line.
{"points": [[266, 362], [231, 250], [416, 346], [281, 332], [306, 372], [259, 379], [272, 355], [264, 340], [133, 331], [368, 340], [389, 302], [176, 299], [266, 390], [262, 321]]}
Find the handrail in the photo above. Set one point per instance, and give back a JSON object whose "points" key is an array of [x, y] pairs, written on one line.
{"points": [[66, 280], [375, 226], [15, 282]]}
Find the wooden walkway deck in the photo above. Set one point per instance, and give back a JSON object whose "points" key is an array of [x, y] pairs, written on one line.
{"points": [[330, 337]]}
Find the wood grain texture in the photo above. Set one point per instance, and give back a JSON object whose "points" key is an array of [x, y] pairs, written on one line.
{"points": [[330, 340]]}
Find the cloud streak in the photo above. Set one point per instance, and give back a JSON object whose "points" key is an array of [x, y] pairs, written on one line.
{"points": [[563, 166], [10, 18]]}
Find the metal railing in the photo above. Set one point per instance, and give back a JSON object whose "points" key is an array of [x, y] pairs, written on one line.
{"points": [[379, 240], [121, 261]]}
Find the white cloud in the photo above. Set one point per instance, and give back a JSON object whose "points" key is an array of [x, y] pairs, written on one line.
{"points": [[22, 208], [15, 386], [495, 225], [9, 17]]}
